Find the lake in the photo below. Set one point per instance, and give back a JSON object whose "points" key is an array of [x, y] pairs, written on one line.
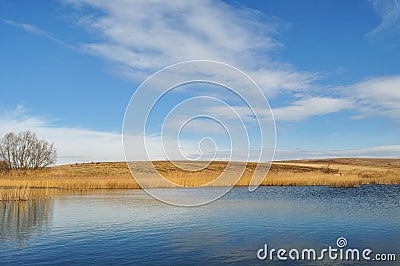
{"points": [[129, 227]]}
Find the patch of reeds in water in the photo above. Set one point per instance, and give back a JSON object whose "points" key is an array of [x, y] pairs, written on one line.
{"points": [[22, 194]]}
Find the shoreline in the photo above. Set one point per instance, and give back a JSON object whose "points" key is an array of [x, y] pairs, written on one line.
{"points": [[350, 172]]}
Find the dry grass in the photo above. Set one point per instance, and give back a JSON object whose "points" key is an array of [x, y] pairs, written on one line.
{"points": [[117, 176], [22, 194], [82, 176]]}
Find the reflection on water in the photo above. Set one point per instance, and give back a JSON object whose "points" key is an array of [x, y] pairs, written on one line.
{"points": [[129, 227], [20, 219]]}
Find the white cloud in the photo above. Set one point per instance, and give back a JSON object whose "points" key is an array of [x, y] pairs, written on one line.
{"points": [[28, 27], [283, 79], [377, 96], [73, 144], [37, 31], [389, 12], [85, 145], [306, 108], [159, 31], [144, 36]]}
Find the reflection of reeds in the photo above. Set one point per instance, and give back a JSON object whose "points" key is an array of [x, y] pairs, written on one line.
{"points": [[117, 176], [19, 219]]}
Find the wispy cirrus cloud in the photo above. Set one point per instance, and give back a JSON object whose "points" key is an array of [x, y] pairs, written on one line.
{"points": [[37, 31], [378, 96], [30, 28], [314, 106], [163, 33], [145, 36], [389, 13]]}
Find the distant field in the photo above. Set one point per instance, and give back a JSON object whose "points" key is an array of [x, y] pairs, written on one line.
{"points": [[348, 163], [350, 172]]}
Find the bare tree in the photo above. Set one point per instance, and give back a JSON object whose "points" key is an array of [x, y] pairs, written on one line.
{"points": [[26, 151]]}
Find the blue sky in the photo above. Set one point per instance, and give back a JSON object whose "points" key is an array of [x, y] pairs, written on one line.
{"points": [[330, 69]]}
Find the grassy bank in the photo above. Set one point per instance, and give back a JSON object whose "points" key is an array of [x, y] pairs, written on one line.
{"points": [[116, 175]]}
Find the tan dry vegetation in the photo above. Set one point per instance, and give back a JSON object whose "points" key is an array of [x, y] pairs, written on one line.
{"points": [[82, 176], [23, 194], [348, 164], [116, 175]]}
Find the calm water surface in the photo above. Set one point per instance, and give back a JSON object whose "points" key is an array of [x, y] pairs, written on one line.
{"points": [[128, 227]]}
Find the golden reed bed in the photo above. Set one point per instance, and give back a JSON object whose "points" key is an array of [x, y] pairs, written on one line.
{"points": [[17, 185]]}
